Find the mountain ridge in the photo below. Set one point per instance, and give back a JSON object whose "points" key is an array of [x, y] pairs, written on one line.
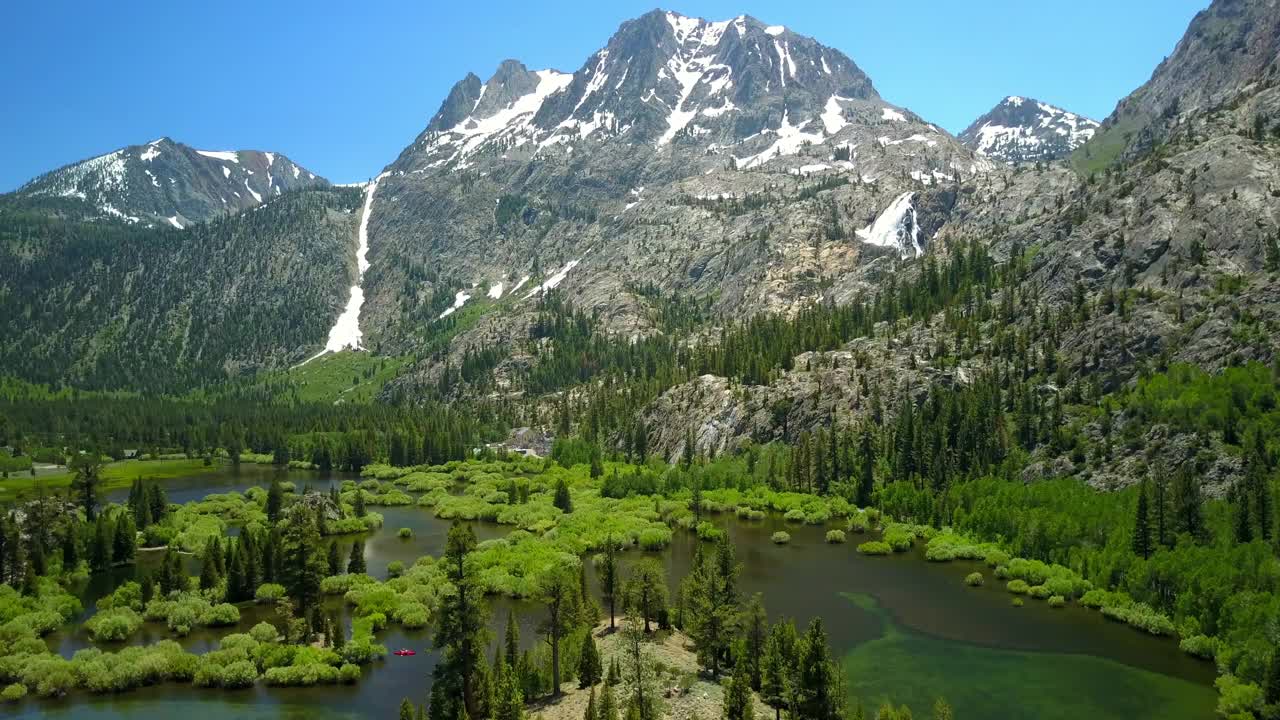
{"points": [[1022, 129], [167, 182]]}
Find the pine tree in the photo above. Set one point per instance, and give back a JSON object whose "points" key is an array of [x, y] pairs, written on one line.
{"points": [[508, 700], [335, 560], [460, 632], [125, 540], [777, 665], [608, 709], [866, 468], [357, 505], [511, 642], [756, 625], [591, 713], [238, 588], [647, 591], [275, 502], [70, 546], [303, 566], [818, 690], [610, 581], [942, 711], [159, 502], [560, 597], [1243, 524], [85, 467], [712, 597], [100, 555], [209, 576], [562, 499], [1188, 504], [1142, 526], [590, 670], [355, 562], [737, 694]]}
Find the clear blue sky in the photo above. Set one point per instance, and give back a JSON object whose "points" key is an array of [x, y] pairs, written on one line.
{"points": [[341, 88]]}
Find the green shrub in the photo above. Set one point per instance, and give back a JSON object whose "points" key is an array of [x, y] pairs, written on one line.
{"points": [[403, 533], [1039, 592], [654, 538], [395, 568], [113, 624], [708, 531], [1018, 587], [13, 693], [413, 615], [348, 674], [220, 615], [781, 537], [1057, 601], [1141, 616], [342, 584], [1201, 646], [264, 632], [239, 674], [835, 536], [794, 515], [974, 579], [1017, 602], [859, 523], [899, 537], [269, 593], [875, 547]]}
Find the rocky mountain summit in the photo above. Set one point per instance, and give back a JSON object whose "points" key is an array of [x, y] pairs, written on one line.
{"points": [[1019, 130], [166, 182], [728, 158]]}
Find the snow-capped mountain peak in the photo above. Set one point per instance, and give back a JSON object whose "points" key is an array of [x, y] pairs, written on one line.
{"points": [[167, 183], [663, 80], [1021, 129]]}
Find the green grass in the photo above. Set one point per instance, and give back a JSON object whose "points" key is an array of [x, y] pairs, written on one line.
{"points": [[915, 669], [114, 475], [352, 377], [1102, 151]]}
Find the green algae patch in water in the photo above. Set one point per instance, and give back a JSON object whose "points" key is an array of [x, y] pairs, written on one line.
{"points": [[915, 669]]}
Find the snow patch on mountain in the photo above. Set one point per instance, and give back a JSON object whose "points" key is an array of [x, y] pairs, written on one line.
{"points": [[345, 332], [459, 300], [790, 139], [227, 155], [896, 227]]}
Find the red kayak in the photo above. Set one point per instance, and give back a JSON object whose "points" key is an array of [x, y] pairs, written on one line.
{"points": [[403, 652]]}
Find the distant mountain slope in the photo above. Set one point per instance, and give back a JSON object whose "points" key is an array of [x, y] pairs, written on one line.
{"points": [[166, 182], [119, 305], [1229, 59], [1019, 130]]}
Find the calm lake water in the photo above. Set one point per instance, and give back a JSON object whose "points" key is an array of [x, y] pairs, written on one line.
{"points": [[904, 628]]}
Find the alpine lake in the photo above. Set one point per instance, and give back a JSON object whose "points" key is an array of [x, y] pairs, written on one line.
{"points": [[906, 629]]}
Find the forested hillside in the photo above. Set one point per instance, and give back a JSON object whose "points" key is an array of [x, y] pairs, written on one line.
{"points": [[114, 305]]}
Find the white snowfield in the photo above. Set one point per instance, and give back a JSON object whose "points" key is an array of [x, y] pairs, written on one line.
{"points": [[226, 155], [459, 300], [551, 282]]}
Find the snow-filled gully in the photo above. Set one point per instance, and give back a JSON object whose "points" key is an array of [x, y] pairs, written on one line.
{"points": [[345, 332]]}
